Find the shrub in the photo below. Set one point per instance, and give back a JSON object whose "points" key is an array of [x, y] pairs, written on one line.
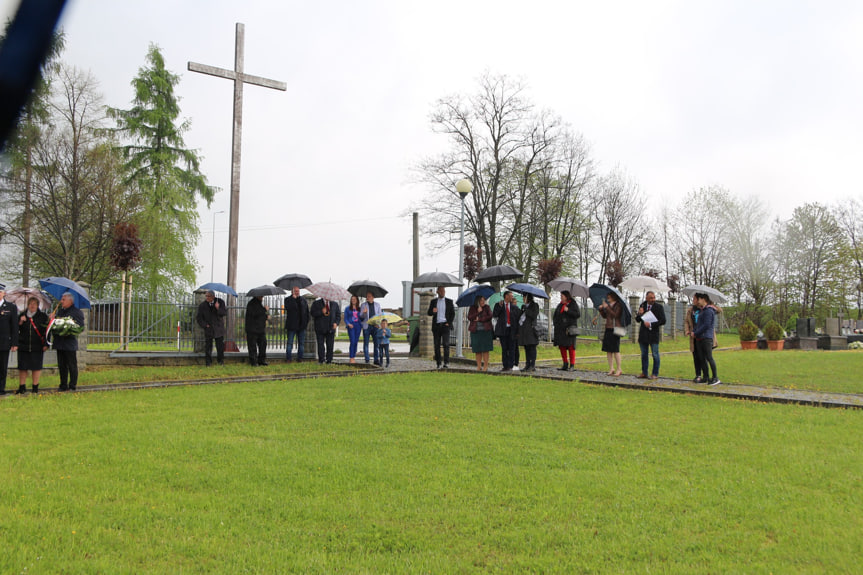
{"points": [[773, 331], [748, 331], [791, 324]]}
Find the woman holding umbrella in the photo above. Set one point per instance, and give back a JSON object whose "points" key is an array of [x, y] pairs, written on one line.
{"points": [[565, 321], [481, 332], [611, 309], [32, 331]]}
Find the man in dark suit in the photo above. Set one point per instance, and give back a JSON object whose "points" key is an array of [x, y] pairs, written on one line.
{"points": [[442, 311], [506, 329], [211, 317], [296, 321], [8, 335], [66, 346], [649, 332], [326, 315]]}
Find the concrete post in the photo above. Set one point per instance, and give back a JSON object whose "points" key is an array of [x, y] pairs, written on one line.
{"points": [[197, 330], [426, 344], [311, 345], [82, 337], [633, 327], [672, 316]]}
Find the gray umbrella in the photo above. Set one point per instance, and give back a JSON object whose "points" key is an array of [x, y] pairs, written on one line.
{"points": [[434, 279], [289, 281], [716, 296], [362, 287], [265, 290], [498, 274]]}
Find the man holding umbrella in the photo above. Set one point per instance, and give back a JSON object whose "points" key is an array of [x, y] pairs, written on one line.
{"points": [[442, 311], [327, 316], [66, 346], [257, 315], [296, 321], [8, 335], [211, 317], [507, 315]]}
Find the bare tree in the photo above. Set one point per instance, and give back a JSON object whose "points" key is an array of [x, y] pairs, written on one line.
{"points": [[849, 215], [748, 257], [623, 229], [701, 244]]}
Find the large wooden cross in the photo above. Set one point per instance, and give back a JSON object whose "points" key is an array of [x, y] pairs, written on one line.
{"points": [[239, 77]]}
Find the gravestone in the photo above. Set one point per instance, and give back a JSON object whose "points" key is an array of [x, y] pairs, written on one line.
{"points": [[806, 333], [833, 340]]}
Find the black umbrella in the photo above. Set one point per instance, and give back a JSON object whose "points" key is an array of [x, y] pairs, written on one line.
{"points": [[290, 281], [361, 288], [498, 274], [434, 279], [265, 290]]}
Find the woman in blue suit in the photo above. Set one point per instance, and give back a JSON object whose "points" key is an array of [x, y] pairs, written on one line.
{"points": [[354, 325]]}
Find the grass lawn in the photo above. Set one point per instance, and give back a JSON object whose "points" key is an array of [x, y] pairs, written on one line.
{"points": [[426, 473]]}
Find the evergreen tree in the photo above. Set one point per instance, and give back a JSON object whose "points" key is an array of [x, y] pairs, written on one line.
{"points": [[167, 175]]}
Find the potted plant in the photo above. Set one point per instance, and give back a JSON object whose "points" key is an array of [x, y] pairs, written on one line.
{"points": [[775, 336], [748, 333]]}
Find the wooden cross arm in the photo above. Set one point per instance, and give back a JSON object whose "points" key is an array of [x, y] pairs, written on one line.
{"points": [[231, 75]]}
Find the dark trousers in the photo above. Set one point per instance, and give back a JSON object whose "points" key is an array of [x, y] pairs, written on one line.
{"points": [[67, 365], [329, 339], [704, 351], [529, 355], [257, 343], [508, 350], [384, 350], [4, 369], [440, 333], [220, 349]]}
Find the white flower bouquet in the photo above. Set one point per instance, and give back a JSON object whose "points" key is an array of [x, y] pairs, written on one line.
{"points": [[64, 326]]}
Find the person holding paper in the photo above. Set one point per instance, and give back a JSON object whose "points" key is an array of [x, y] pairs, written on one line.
{"points": [[651, 316]]}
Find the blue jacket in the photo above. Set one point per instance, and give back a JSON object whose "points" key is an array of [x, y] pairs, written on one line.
{"points": [[705, 324]]}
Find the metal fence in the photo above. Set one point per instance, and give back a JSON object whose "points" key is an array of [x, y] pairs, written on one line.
{"points": [[171, 326]]}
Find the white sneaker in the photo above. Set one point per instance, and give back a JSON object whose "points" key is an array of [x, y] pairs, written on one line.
{"points": [[515, 368]]}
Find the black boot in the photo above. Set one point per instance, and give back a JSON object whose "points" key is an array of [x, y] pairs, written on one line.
{"points": [[35, 389], [21, 389], [565, 366]]}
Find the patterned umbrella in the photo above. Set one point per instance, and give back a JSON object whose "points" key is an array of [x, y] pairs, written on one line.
{"points": [[20, 296], [390, 317], [329, 291]]}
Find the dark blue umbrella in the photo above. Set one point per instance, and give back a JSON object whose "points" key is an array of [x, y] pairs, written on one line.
{"points": [[598, 293], [216, 286], [524, 289], [58, 286], [467, 296]]}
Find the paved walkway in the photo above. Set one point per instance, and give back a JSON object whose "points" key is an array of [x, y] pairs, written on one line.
{"points": [[545, 370]]}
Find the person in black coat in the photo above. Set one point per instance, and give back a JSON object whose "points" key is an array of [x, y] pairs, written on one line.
{"points": [[527, 335], [442, 312], [326, 315], [507, 315], [296, 322], [211, 317], [565, 321], [66, 346], [257, 315], [8, 335], [649, 332], [32, 344]]}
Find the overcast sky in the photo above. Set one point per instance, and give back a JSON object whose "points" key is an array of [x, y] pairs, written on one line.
{"points": [[761, 97]]}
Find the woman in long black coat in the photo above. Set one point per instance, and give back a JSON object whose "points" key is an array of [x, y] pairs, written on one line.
{"points": [[527, 335], [566, 316], [32, 333]]}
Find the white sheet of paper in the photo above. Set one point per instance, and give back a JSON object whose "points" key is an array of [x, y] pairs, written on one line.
{"points": [[648, 317]]}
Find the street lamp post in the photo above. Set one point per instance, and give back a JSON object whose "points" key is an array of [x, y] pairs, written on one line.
{"points": [[463, 187], [213, 254]]}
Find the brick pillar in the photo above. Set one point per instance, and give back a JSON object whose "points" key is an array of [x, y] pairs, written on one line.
{"points": [[672, 316], [633, 327], [426, 345], [82, 337], [311, 345]]}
